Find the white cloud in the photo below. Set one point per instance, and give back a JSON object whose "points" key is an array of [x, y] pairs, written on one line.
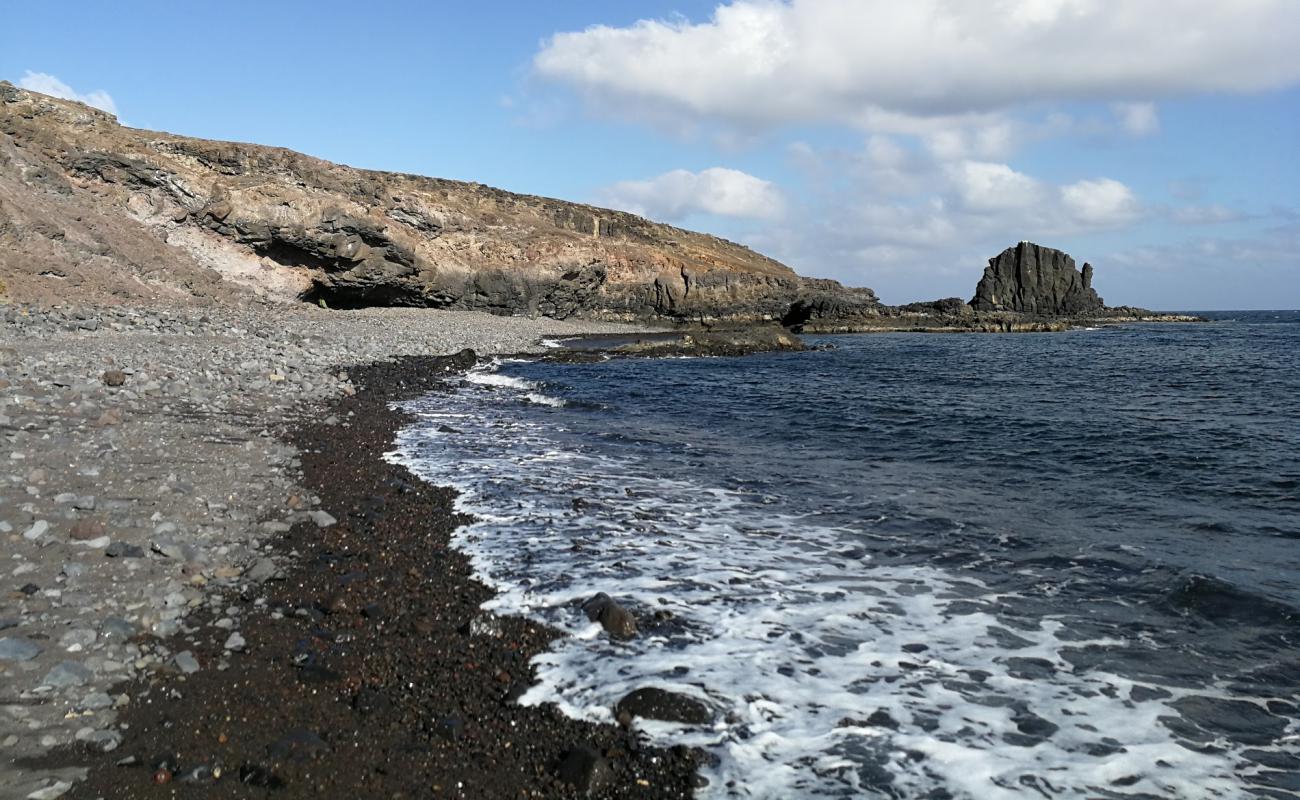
{"points": [[984, 186], [1104, 202], [1138, 119], [48, 84], [880, 63], [680, 193]]}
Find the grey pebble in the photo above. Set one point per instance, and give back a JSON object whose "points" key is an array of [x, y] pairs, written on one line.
{"points": [[38, 529], [123, 550], [323, 519], [51, 792], [186, 662], [65, 674], [17, 648], [95, 701], [262, 570], [116, 628], [83, 637]]}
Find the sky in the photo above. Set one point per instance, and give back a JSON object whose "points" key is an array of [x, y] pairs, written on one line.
{"points": [[896, 145]]}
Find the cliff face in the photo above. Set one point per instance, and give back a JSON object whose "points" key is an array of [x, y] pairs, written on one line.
{"points": [[95, 209], [1030, 279]]}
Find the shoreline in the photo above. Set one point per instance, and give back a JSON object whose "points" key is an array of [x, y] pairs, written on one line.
{"points": [[147, 483], [405, 686], [200, 413]]}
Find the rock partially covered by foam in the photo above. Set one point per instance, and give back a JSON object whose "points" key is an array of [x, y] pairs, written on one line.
{"points": [[1032, 279], [663, 705], [617, 621]]}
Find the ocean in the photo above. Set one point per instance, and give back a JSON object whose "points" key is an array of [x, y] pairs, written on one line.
{"points": [[914, 565]]}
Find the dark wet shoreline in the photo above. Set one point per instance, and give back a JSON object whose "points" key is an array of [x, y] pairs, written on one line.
{"points": [[369, 669]]}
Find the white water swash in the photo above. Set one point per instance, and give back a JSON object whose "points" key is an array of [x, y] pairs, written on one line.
{"points": [[828, 674]]}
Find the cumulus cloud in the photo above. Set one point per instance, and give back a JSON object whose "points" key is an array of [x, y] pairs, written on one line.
{"points": [[48, 84], [984, 186], [880, 63], [680, 193], [1101, 203]]}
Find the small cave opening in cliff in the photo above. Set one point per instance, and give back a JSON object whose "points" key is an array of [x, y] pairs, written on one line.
{"points": [[796, 316], [287, 255], [350, 298], [329, 295]]}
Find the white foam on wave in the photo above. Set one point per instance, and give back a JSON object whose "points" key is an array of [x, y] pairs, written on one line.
{"points": [[498, 380], [487, 375], [794, 640]]}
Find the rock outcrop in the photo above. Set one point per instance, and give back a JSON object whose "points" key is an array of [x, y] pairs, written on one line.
{"points": [[1036, 280], [97, 210]]}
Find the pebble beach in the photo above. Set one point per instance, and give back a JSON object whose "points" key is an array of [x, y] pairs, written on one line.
{"points": [[151, 474]]}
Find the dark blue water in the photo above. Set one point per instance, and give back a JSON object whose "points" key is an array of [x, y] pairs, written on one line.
{"points": [[1049, 564]]}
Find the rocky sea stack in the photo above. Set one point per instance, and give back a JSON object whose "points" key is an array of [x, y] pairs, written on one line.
{"points": [[1032, 279]]}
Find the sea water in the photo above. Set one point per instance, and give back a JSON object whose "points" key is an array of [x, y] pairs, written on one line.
{"points": [[914, 565]]}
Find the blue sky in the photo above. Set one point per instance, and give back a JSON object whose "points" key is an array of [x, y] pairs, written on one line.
{"points": [[890, 145]]}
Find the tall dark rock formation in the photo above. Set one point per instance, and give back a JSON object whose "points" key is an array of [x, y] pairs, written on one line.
{"points": [[1031, 279]]}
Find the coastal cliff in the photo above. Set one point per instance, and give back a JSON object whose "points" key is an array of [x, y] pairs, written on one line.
{"points": [[114, 213]]}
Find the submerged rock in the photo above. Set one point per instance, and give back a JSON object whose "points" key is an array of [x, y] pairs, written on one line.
{"points": [[660, 704]]}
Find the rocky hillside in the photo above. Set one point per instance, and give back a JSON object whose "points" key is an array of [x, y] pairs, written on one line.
{"points": [[97, 211]]}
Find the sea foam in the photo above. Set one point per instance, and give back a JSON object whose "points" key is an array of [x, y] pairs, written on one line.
{"points": [[828, 674]]}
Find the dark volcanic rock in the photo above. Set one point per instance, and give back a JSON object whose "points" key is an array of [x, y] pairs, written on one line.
{"points": [[827, 306], [660, 704], [614, 618], [1031, 279], [585, 769], [738, 342]]}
